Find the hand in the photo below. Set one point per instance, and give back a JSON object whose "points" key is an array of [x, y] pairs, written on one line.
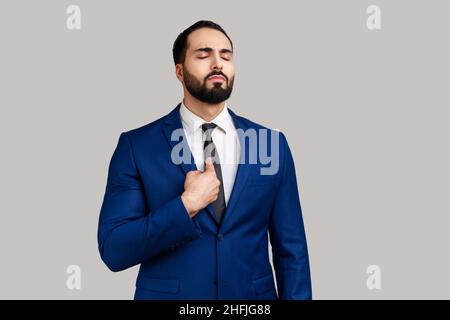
{"points": [[200, 188]]}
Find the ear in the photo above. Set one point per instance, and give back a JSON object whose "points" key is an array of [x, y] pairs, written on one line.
{"points": [[179, 72]]}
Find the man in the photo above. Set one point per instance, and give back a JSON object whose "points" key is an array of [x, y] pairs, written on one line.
{"points": [[199, 227]]}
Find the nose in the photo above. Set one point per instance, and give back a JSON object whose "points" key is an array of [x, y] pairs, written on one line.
{"points": [[216, 61]]}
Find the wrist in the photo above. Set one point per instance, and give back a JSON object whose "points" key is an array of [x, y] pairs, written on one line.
{"points": [[188, 204]]}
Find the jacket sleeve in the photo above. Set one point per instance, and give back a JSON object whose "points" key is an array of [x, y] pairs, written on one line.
{"points": [[287, 234], [127, 233]]}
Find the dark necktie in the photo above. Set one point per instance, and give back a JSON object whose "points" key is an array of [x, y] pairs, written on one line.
{"points": [[209, 150]]}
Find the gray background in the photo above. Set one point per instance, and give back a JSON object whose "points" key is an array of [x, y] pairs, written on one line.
{"points": [[365, 113]]}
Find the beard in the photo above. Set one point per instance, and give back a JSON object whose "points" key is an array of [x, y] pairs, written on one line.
{"points": [[213, 95]]}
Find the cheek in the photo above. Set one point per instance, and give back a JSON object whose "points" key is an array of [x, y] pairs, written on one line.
{"points": [[199, 69], [229, 71]]}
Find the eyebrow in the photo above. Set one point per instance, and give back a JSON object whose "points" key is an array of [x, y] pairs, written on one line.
{"points": [[207, 49]]}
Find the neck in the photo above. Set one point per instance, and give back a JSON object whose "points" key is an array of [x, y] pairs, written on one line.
{"points": [[204, 110]]}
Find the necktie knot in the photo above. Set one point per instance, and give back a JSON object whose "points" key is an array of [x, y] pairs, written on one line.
{"points": [[208, 126]]}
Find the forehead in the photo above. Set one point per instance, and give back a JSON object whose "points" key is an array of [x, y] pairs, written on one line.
{"points": [[207, 38]]}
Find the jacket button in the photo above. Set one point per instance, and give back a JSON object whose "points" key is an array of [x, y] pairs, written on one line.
{"points": [[220, 237]]}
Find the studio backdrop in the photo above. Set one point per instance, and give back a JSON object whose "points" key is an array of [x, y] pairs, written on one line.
{"points": [[359, 88]]}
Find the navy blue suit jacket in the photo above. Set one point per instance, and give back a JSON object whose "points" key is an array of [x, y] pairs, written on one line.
{"points": [[143, 221]]}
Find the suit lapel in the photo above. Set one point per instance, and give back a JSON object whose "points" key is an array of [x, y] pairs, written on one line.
{"points": [[171, 124], [242, 171]]}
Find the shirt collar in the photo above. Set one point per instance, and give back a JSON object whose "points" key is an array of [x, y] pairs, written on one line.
{"points": [[193, 122]]}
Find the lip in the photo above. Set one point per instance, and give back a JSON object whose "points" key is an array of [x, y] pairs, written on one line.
{"points": [[216, 78]]}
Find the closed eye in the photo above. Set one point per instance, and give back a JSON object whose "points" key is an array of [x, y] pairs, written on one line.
{"points": [[224, 58]]}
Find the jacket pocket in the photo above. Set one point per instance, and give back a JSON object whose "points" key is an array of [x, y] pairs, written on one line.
{"points": [[159, 285], [264, 284]]}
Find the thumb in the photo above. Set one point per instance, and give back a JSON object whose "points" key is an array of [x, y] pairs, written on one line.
{"points": [[208, 164]]}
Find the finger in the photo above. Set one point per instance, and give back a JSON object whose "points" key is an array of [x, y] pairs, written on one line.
{"points": [[208, 164], [193, 172]]}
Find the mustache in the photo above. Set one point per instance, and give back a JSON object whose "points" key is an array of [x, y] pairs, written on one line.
{"points": [[216, 74]]}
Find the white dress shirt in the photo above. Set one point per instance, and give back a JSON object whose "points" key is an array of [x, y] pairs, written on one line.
{"points": [[225, 138]]}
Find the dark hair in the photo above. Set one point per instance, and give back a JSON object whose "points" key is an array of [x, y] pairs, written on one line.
{"points": [[180, 44]]}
